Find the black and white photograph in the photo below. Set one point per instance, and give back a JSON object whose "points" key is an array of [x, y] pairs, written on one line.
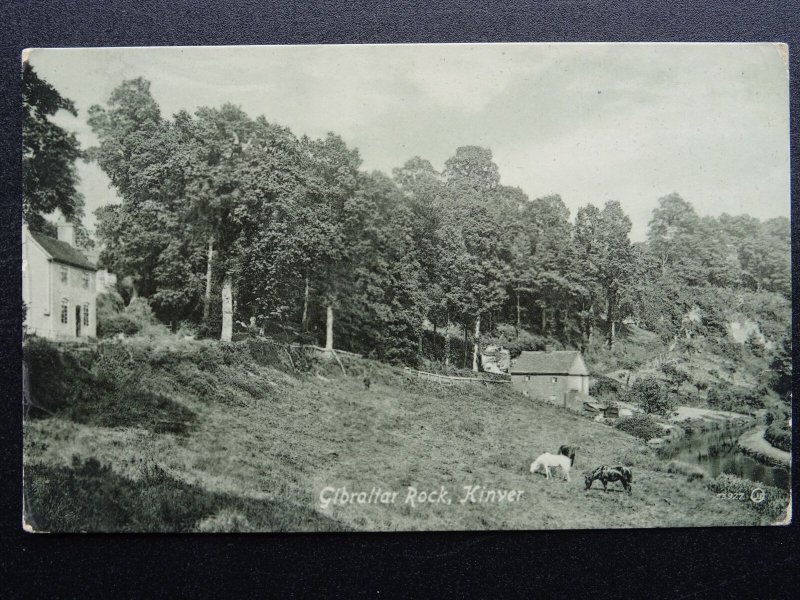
{"points": [[409, 287]]}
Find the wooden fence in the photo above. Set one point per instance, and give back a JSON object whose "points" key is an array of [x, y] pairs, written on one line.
{"points": [[450, 379]]}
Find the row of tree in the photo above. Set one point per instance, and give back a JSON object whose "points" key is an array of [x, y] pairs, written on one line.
{"points": [[227, 219]]}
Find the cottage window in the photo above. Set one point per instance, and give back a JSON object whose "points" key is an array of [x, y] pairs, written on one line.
{"points": [[527, 378], [86, 280], [64, 310], [86, 314], [554, 380], [64, 274]]}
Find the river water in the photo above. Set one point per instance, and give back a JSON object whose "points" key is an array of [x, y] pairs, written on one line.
{"points": [[716, 453]]}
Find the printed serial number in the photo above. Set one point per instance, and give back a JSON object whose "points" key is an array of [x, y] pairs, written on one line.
{"points": [[732, 496]]}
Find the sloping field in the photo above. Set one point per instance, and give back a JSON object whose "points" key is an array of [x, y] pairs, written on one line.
{"points": [[256, 443]]}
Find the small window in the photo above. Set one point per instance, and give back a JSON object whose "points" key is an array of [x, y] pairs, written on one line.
{"points": [[64, 310], [86, 314], [527, 378], [554, 380], [64, 274], [86, 280]]}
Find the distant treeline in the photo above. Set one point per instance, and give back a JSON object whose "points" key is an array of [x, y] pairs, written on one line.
{"points": [[226, 219]]}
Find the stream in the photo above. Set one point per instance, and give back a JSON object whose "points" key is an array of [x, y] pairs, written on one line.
{"points": [[716, 453]]}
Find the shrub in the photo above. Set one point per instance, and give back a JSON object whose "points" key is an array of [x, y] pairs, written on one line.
{"points": [[136, 318], [736, 399], [651, 396], [641, 426], [604, 386], [116, 324], [779, 435], [46, 382], [675, 375]]}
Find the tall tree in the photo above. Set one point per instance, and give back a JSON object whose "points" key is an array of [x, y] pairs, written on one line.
{"points": [[613, 255], [473, 210], [49, 153]]}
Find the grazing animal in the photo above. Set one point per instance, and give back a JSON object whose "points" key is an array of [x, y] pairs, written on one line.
{"points": [[605, 474], [366, 383], [548, 460], [570, 452]]}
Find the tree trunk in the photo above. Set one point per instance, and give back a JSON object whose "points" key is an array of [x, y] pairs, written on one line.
{"points": [[227, 309], [544, 319], [447, 339], [304, 320], [610, 320], [329, 329], [475, 343], [466, 345], [433, 344], [207, 302], [519, 317]]}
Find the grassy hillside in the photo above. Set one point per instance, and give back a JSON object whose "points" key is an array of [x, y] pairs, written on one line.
{"points": [[200, 436]]}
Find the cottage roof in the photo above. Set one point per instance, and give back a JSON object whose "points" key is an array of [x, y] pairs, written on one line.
{"points": [[62, 252], [560, 362]]}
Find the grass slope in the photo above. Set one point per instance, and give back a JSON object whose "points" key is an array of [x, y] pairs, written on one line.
{"points": [[264, 441]]}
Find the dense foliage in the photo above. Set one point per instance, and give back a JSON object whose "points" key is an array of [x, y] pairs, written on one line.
{"points": [[49, 153], [420, 265]]}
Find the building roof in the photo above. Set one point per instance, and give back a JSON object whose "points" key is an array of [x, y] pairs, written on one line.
{"points": [[62, 252], [560, 362]]}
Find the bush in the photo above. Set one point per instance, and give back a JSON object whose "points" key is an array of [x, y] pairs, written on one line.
{"points": [[641, 426], [675, 375], [116, 324], [46, 388], [136, 318], [651, 396], [779, 435], [733, 399], [604, 386]]}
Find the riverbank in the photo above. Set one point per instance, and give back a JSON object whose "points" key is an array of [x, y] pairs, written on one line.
{"points": [[753, 444]]}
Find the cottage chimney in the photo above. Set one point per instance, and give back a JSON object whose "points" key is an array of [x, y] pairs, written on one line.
{"points": [[66, 231], [548, 347]]}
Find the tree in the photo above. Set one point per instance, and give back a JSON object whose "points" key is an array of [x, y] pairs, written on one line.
{"points": [[651, 396], [471, 218], [148, 237], [673, 221], [333, 182], [603, 238], [49, 176]]}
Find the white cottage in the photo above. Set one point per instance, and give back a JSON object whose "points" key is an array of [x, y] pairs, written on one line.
{"points": [[58, 286]]}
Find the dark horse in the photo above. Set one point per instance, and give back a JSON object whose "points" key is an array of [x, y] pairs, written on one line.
{"points": [[606, 474], [569, 452]]}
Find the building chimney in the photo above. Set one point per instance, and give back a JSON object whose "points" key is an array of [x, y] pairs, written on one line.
{"points": [[548, 347], [66, 231]]}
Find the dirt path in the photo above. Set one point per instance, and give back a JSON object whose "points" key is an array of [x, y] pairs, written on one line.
{"points": [[754, 443], [692, 412]]}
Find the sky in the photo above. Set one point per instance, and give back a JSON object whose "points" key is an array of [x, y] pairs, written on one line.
{"points": [[591, 122]]}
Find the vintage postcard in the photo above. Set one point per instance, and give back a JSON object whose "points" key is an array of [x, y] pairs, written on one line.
{"points": [[406, 287]]}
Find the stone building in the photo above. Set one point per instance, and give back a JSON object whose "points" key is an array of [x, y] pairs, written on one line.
{"points": [[550, 375]]}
